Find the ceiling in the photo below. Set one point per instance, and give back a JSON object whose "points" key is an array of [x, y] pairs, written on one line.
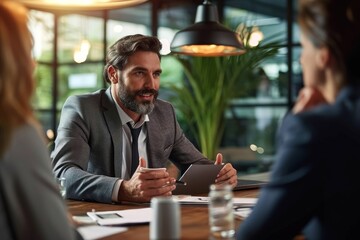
{"points": [[179, 13], [274, 8], [174, 13]]}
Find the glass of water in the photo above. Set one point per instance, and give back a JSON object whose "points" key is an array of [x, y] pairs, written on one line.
{"points": [[221, 217], [62, 188]]}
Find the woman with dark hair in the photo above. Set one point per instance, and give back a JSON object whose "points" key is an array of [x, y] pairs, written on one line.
{"points": [[314, 189]]}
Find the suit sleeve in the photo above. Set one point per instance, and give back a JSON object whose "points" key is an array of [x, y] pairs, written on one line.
{"points": [[73, 151], [174, 144]]}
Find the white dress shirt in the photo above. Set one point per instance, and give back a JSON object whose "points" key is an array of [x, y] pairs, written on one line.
{"points": [[126, 146]]}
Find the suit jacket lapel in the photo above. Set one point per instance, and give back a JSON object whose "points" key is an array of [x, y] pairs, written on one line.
{"points": [[115, 129], [154, 148]]}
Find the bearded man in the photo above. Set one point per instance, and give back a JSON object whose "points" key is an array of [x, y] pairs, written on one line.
{"points": [[94, 148]]}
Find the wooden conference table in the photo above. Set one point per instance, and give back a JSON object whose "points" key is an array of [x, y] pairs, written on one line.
{"points": [[194, 218]]}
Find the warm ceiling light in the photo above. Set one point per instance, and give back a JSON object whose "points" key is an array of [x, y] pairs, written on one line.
{"points": [[256, 36], [79, 5], [207, 37]]}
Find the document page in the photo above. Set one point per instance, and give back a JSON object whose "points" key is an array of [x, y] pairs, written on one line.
{"points": [[122, 217], [242, 213], [242, 206], [96, 232], [187, 199]]}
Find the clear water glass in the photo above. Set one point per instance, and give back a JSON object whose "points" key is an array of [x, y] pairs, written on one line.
{"points": [[221, 217], [62, 188]]}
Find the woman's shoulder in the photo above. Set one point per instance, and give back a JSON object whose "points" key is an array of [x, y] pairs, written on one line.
{"points": [[318, 124], [26, 143], [29, 134]]}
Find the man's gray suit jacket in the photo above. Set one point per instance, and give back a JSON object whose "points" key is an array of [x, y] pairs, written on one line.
{"points": [[88, 147]]}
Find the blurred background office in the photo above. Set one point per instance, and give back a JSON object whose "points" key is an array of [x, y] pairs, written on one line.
{"points": [[70, 47]]}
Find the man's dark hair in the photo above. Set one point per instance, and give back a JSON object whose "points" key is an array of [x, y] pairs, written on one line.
{"points": [[122, 49]]}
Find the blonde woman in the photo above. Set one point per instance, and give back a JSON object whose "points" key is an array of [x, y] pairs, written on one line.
{"points": [[30, 204]]}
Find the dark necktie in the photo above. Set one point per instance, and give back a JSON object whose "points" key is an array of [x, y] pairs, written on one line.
{"points": [[135, 132]]}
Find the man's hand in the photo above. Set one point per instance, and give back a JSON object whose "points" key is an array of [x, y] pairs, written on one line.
{"points": [[308, 98], [227, 174], [145, 185]]}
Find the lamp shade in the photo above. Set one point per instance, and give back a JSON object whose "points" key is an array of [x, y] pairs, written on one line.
{"points": [[207, 37], [78, 5]]}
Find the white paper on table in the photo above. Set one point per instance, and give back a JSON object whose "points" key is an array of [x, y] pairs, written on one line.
{"points": [[244, 201], [242, 213], [83, 220], [93, 232], [186, 199], [121, 217]]}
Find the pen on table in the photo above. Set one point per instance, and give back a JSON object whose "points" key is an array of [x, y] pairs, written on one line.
{"points": [[180, 182], [243, 206]]}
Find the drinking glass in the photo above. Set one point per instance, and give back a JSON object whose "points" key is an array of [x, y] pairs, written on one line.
{"points": [[62, 188], [221, 217]]}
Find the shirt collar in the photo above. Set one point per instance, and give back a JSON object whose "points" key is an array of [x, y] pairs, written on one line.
{"points": [[125, 118]]}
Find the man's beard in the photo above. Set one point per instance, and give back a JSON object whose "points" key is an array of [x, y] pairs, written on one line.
{"points": [[128, 99]]}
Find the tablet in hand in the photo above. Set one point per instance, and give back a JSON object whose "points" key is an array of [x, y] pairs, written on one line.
{"points": [[198, 178]]}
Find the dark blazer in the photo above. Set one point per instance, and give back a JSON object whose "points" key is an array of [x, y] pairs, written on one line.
{"points": [[314, 187], [88, 148]]}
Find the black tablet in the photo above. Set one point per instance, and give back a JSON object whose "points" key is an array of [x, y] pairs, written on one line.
{"points": [[197, 179]]}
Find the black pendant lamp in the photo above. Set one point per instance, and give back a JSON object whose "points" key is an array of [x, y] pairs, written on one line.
{"points": [[207, 37]]}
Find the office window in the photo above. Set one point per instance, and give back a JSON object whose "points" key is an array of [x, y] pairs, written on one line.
{"points": [[119, 29], [78, 79], [82, 38], [42, 27], [43, 91]]}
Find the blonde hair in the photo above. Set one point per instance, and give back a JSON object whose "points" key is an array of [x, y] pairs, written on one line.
{"points": [[16, 70]]}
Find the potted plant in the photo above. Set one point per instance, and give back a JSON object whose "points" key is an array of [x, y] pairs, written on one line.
{"points": [[210, 83]]}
